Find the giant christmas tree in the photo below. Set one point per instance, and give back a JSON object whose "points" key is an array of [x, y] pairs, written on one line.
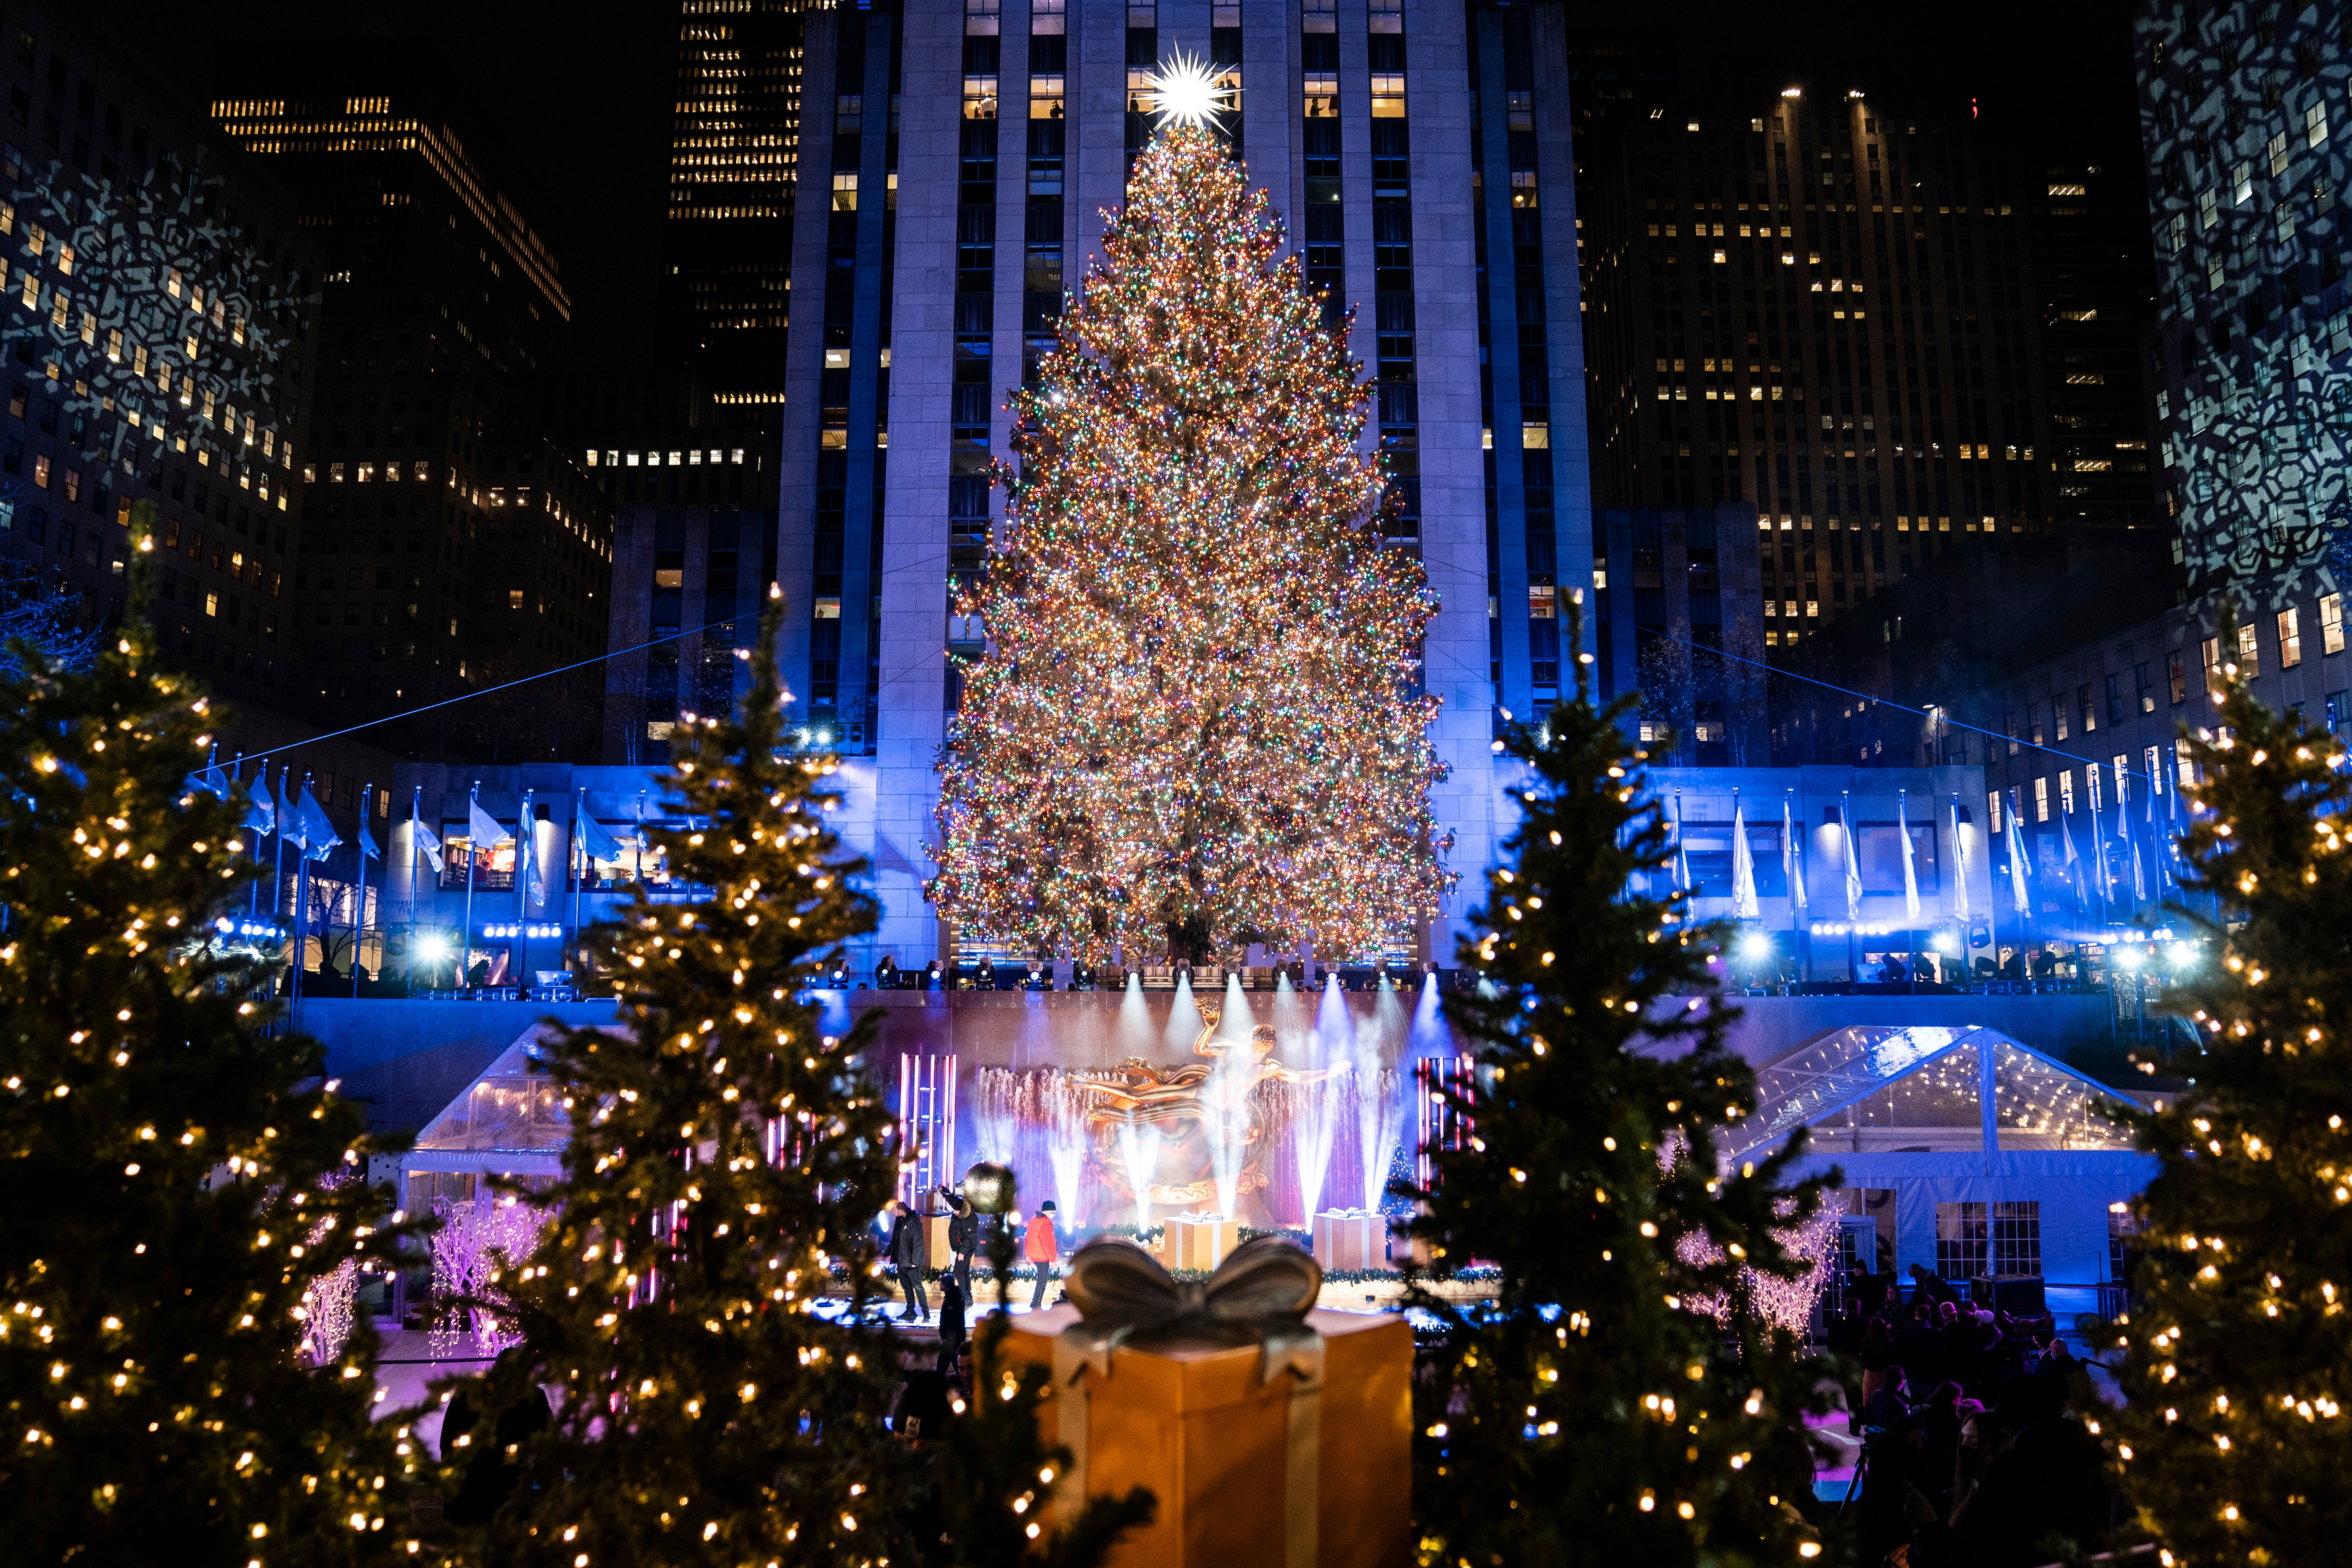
{"points": [[1622, 1399], [2231, 1440], [1199, 722], [182, 1225]]}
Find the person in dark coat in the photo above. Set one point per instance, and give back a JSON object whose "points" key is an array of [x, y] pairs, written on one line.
{"points": [[2044, 1478], [1876, 1354], [1890, 1404], [910, 1253], [964, 1238], [1915, 1343], [1898, 1462], [951, 1325], [492, 1472]]}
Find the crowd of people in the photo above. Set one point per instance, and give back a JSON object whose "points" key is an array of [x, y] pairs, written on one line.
{"points": [[1970, 1458], [930, 1394]]}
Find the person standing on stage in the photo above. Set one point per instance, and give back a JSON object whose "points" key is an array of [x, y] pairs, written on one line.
{"points": [[911, 1251], [1043, 1248], [963, 1237]]}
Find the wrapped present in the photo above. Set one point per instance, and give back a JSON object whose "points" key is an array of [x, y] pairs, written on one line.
{"points": [[1273, 1435], [935, 1228], [1199, 1240], [1351, 1240]]}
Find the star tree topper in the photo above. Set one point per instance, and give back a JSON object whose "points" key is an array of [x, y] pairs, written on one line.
{"points": [[1185, 91]]}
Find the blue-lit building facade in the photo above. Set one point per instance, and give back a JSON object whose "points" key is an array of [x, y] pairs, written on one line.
{"points": [[2248, 132], [969, 149]]}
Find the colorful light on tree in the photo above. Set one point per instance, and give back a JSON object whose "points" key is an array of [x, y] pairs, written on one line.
{"points": [[1199, 722]]}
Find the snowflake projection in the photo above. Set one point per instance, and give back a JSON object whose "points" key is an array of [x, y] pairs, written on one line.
{"points": [[2244, 174], [478, 1238], [2267, 475], [157, 325]]}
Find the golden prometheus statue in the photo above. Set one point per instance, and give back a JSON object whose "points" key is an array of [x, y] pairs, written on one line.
{"points": [[1178, 1127]]}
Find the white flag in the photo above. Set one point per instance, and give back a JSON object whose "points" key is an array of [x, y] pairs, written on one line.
{"points": [[315, 834], [597, 841], [1853, 866], [430, 843], [2017, 890], [1743, 867], [261, 814], [1910, 872], [212, 780], [1793, 854], [487, 834], [1960, 855]]}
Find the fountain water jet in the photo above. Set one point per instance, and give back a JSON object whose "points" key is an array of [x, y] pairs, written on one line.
{"points": [[1139, 1148]]}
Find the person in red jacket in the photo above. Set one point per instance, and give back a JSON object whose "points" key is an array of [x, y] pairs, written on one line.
{"points": [[1041, 1248]]}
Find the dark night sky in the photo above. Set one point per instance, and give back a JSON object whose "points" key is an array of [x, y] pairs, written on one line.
{"points": [[568, 107]]}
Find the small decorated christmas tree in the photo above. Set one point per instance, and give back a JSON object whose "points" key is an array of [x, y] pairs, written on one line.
{"points": [[1621, 1401], [184, 1226], [1199, 724], [2229, 1442], [728, 1162]]}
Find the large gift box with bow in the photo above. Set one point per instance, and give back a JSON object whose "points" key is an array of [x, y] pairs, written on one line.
{"points": [[1272, 1435]]}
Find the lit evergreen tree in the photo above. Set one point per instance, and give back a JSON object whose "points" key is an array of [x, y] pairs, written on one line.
{"points": [[178, 1173], [1199, 724], [1593, 1415], [2231, 1442], [725, 1154]]}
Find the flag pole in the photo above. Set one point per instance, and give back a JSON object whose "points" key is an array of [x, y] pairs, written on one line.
{"points": [[473, 799], [526, 840], [416, 797], [359, 911], [278, 851], [252, 887], [301, 910], [1992, 899], [577, 865]]}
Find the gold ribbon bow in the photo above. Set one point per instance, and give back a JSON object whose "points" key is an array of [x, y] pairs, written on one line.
{"points": [[1259, 1295]]}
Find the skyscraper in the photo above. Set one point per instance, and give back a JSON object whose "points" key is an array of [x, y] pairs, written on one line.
{"points": [[2244, 113], [1825, 310], [160, 315], [448, 544], [733, 166], [968, 150]]}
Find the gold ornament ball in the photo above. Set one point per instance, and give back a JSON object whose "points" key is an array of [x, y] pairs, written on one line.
{"points": [[989, 1189]]}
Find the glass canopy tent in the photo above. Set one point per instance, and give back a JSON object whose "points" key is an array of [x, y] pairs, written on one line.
{"points": [[1928, 1090]]}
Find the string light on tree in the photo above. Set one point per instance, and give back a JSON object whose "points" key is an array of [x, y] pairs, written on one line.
{"points": [[1199, 722], [182, 1375], [727, 1164], [2228, 1443], [1590, 1182]]}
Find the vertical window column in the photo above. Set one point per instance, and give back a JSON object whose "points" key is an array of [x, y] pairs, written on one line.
{"points": [[1325, 220], [1142, 60], [1041, 275], [854, 385], [971, 398], [1225, 66], [1397, 399]]}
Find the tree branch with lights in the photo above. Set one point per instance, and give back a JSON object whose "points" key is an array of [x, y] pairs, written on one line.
{"points": [[2230, 1443], [186, 1227], [1632, 1395], [727, 1152], [1199, 722]]}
